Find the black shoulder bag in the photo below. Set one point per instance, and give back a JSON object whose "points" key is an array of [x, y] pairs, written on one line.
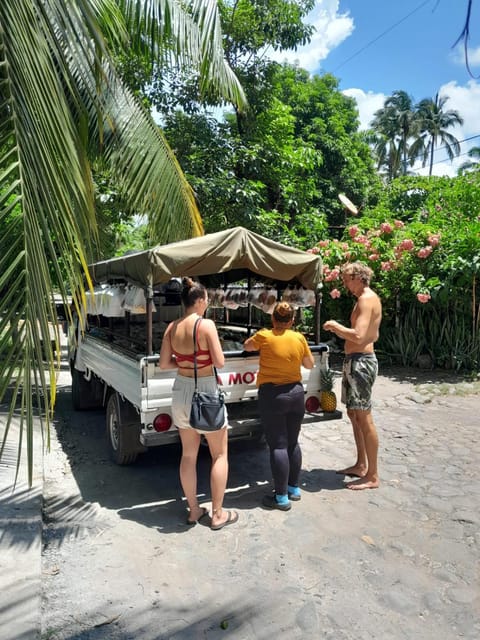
{"points": [[208, 408]]}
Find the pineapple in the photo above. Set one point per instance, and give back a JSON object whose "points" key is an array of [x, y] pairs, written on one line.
{"points": [[328, 399]]}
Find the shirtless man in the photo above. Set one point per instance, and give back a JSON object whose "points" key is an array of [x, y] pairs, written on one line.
{"points": [[359, 371]]}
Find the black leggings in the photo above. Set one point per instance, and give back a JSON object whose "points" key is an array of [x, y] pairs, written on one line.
{"points": [[282, 407]]}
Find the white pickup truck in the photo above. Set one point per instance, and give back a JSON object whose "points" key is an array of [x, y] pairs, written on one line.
{"points": [[114, 348]]}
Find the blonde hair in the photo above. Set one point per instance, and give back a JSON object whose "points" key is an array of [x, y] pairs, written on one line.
{"points": [[283, 312], [357, 269]]}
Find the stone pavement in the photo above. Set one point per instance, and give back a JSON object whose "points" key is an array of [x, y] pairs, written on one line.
{"points": [[396, 563]]}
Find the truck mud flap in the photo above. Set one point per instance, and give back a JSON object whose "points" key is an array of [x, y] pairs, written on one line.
{"points": [[86, 393]]}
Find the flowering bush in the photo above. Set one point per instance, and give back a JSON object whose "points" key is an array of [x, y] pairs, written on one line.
{"points": [[394, 252], [422, 242]]}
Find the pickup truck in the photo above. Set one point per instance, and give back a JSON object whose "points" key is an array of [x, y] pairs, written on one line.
{"points": [[114, 346]]}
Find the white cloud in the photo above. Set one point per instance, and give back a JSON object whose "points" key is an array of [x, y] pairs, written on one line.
{"points": [[474, 57], [331, 28], [463, 98], [458, 56], [367, 103]]}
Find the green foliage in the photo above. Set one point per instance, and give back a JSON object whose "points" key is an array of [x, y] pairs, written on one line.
{"points": [[281, 176], [422, 241], [446, 338], [64, 105]]}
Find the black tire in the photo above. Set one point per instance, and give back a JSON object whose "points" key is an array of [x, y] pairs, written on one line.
{"points": [[86, 394], [123, 438]]}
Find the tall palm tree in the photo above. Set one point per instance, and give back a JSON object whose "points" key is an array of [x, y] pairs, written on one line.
{"points": [[62, 104], [394, 125], [385, 151], [404, 119], [433, 122]]}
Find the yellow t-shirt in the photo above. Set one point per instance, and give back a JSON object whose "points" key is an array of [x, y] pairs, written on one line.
{"points": [[281, 355]]}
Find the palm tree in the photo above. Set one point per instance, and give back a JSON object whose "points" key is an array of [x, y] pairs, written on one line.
{"points": [[433, 123], [401, 104], [62, 104], [385, 150], [473, 164], [394, 125]]}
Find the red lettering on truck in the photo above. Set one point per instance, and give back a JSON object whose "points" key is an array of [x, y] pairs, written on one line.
{"points": [[238, 378]]}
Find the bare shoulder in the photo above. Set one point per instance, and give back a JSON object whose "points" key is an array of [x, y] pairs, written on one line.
{"points": [[369, 298], [169, 328], [207, 323], [208, 326]]}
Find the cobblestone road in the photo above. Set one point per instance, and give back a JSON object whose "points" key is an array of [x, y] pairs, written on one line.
{"points": [[399, 562]]}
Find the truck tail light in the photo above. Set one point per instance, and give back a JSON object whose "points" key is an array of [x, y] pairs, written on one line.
{"points": [[162, 422], [312, 404]]}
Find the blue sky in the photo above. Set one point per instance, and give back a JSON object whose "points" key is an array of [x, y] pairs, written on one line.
{"points": [[375, 47]]}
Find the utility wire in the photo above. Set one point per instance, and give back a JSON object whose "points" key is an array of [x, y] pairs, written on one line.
{"points": [[445, 146], [460, 155], [354, 55]]}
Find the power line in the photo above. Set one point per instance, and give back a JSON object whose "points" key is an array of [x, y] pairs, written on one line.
{"points": [[354, 55], [445, 146], [448, 159]]}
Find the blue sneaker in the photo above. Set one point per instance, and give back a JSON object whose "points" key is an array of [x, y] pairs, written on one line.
{"points": [[294, 493], [270, 502]]}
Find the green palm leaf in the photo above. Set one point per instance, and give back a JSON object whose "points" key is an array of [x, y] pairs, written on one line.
{"points": [[61, 106]]}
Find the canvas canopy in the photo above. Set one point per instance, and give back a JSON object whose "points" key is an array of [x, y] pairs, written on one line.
{"points": [[236, 253]]}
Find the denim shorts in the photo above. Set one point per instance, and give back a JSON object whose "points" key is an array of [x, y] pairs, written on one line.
{"points": [[182, 393], [358, 375]]}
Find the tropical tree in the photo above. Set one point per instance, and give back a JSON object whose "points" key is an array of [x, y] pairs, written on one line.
{"points": [[279, 168], [63, 105], [393, 126], [433, 123], [401, 106], [422, 241]]}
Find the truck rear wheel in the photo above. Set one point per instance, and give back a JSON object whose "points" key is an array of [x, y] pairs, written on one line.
{"points": [[123, 437], [86, 394]]}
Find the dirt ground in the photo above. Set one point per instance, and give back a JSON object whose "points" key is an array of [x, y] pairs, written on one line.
{"points": [[398, 562]]}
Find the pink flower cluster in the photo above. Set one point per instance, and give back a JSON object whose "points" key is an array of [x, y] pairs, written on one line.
{"points": [[406, 245], [372, 250], [424, 252], [353, 231], [434, 240], [331, 274], [388, 265]]}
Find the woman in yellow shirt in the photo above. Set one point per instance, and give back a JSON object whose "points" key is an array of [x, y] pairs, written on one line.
{"points": [[281, 400]]}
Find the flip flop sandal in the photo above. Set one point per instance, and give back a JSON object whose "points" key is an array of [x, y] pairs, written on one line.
{"points": [[230, 520], [193, 522]]}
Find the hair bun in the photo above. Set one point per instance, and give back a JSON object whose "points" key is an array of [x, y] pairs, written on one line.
{"points": [[283, 309], [187, 282]]}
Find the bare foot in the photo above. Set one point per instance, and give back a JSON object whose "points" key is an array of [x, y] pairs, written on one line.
{"points": [[356, 470], [363, 483]]}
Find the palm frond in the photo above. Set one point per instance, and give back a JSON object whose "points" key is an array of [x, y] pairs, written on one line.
{"points": [[190, 34], [62, 104]]}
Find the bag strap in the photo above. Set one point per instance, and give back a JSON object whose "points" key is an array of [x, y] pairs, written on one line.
{"points": [[195, 338], [195, 342]]}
